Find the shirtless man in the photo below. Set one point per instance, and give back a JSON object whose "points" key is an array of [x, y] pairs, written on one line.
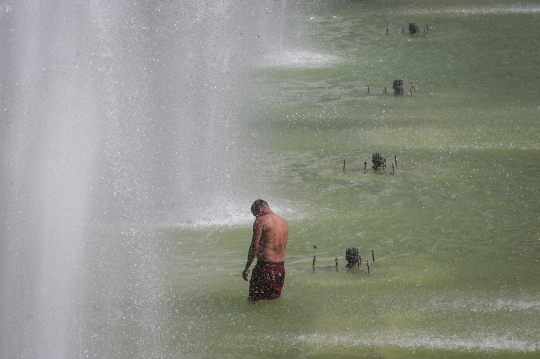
{"points": [[270, 233]]}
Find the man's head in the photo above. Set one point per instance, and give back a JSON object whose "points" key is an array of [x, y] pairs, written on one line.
{"points": [[257, 206]]}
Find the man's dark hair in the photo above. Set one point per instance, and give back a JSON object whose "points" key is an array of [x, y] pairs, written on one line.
{"points": [[255, 206]]}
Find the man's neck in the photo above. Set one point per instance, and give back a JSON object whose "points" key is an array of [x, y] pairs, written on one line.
{"points": [[265, 211]]}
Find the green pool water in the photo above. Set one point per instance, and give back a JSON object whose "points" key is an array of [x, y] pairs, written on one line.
{"points": [[455, 228]]}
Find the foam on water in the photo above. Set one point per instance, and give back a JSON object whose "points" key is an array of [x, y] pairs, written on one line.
{"points": [[421, 339], [299, 58], [484, 305], [233, 215], [410, 339], [530, 9], [223, 221]]}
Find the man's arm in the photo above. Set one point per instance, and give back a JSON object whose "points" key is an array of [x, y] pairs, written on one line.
{"points": [[254, 247]]}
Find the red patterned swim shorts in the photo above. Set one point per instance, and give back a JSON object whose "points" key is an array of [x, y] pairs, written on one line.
{"points": [[266, 281]]}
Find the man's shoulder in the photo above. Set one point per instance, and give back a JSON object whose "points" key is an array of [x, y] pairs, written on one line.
{"points": [[269, 218]]}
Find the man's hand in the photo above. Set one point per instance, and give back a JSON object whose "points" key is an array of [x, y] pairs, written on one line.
{"points": [[245, 274]]}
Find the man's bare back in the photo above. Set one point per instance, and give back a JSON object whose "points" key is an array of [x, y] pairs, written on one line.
{"points": [[270, 234]]}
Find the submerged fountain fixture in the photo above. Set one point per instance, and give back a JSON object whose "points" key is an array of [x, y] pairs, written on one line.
{"points": [[378, 160], [353, 257], [398, 87], [414, 28]]}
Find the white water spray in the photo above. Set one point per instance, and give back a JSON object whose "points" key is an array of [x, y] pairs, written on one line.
{"points": [[112, 112]]}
